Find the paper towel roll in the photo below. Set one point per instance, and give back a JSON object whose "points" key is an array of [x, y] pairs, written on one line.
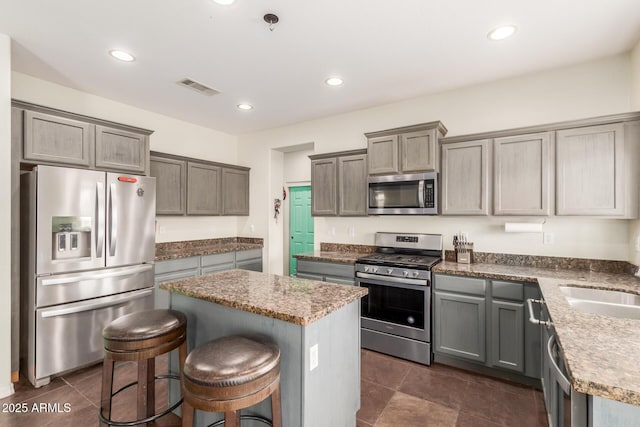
{"points": [[523, 227]]}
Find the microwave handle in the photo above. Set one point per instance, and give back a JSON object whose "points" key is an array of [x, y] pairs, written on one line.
{"points": [[421, 193]]}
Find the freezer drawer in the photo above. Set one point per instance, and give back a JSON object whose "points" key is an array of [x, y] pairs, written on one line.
{"points": [[70, 335], [65, 288]]}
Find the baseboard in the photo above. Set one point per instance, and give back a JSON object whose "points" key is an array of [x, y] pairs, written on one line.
{"points": [[6, 390]]}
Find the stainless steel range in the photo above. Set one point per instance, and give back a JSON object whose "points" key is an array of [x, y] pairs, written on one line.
{"points": [[396, 313]]}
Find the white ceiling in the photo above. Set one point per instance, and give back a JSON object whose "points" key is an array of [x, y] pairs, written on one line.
{"points": [[385, 50]]}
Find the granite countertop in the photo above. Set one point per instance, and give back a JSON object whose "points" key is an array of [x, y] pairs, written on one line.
{"points": [[601, 352], [338, 257], [290, 299], [185, 249]]}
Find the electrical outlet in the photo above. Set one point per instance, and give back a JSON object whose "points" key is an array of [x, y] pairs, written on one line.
{"points": [[548, 238], [638, 243], [351, 231], [313, 357], [252, 228], [162, 229]]}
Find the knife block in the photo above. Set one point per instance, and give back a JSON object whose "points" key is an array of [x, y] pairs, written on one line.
{"points": [[464, 253]]}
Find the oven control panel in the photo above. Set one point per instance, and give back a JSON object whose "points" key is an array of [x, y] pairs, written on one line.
{"points": [[384, 271]]}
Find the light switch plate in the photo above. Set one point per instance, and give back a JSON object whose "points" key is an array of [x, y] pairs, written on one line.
{"points": [[313, 357], [548, 238]]}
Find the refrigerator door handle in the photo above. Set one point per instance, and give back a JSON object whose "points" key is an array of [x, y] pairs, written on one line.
{"points": [[113, 219], [111, 301], [129, 271], [99, 227]]}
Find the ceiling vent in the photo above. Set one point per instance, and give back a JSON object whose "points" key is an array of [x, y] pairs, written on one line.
{"points": [[198, 87]]}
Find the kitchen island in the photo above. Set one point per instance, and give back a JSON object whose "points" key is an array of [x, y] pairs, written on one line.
{"points": [[303, 317]]}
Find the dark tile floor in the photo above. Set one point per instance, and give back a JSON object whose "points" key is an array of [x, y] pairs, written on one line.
{"points": [[81, 391], [395, 393], [398, 393]]}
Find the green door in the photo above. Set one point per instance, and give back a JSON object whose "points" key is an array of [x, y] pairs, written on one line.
{"points": [[300, 224]]}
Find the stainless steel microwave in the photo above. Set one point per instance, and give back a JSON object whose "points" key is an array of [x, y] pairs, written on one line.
{"points": [[415, 194]]}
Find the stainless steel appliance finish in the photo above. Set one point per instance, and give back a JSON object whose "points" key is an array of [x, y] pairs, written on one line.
{"points": [[87, 258], [395, 316], [414, 194]]}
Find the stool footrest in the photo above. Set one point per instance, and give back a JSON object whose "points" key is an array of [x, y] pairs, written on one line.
{"points": [[143, 420], [262, 419]]}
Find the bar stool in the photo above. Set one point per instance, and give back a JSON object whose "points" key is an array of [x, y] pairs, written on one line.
{"points": [[141, 337], [229, 374]]}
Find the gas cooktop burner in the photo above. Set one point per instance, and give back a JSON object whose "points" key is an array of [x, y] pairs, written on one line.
{"points": [[401, 260]]}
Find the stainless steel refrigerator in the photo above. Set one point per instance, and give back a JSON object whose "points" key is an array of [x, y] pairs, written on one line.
{"points": [[88, 244]]}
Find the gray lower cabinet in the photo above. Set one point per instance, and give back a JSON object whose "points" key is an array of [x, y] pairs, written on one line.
{"points": [[184, 268], [507, 335], [203, 189], [483, 321], [121, 150], [249, 260], [175, 269], [339, 184], [333, 272], [50, 136], [459, 317], [171, 185]]}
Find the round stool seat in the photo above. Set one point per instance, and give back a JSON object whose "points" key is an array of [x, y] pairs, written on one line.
{"points": [[231, 361], [144, 325]]}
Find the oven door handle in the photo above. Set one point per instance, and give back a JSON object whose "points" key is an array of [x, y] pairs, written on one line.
{"points": [[397, 282]]}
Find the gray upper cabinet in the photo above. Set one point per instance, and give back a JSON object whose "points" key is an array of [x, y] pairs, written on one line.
{"points": [[465, 178], [50, 136], [352, 185], [590, 176], [521, 168], [383, 155], [418, 151], [583, 167], [54, 139], [199, 187], [324, 195], [203, 189], [171, 191], [235, 191], [117, 149], [405, 150], [339, 184]]}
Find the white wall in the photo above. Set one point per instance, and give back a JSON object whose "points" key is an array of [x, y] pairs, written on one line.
{"points": [[170, 136], [6, 388], [580, 91], [634, 226]]}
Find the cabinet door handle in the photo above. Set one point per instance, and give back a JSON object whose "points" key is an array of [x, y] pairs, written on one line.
{"points": [[532, 318]]}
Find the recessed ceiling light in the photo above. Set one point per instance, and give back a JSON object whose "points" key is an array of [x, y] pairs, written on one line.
{"points": [[122, 55], [245, 107], [224, 2], [334, 81], [502, 32]]}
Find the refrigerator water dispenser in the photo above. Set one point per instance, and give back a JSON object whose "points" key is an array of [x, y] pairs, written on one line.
{"points": [[71, 237]]}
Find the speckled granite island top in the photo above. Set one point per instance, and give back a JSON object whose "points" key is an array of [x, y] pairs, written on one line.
{"points": [[602, 352], [189, 248], [290, 299]]}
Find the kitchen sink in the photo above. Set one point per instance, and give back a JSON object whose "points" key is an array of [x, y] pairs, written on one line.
{"points": [[600, 301]]}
